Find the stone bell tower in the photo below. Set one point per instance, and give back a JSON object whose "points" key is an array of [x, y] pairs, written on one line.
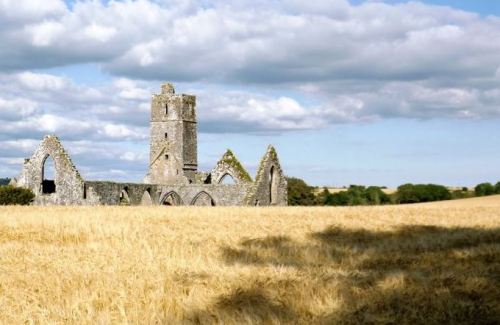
{"points": [[173, 143]]}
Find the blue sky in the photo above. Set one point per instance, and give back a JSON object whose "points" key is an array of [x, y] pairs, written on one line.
{"points": [[375, 93], [483, 7]]}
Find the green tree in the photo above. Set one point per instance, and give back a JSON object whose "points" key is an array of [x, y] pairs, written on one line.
{"points": [[497, 188], [299, 193], [415, 193], [407, 193], [341, 198], [375, 196], [10, 195], [484, 189], [325, 197], [354, 195], [435, 192]]}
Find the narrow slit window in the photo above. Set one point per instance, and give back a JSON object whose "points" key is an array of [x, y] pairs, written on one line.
{"points": [[166, 157], [166, 136], [166, 109]]}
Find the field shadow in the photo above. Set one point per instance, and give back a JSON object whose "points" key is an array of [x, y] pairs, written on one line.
{"points": [[275, 250], [410, 275], [245, 305], [419, 275]]}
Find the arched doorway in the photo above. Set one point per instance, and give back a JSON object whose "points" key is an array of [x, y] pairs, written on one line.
{"points": [[171, 199], [48, 185], [146, 197], [203, 199], [124, 197]]}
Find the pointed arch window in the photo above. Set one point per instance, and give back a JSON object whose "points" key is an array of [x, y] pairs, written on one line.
{"points": [[48, 176], [203, 199], [172, 199], [227, 179]]}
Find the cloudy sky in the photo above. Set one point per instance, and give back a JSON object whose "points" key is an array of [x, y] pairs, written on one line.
{"points": [[359, 92]]}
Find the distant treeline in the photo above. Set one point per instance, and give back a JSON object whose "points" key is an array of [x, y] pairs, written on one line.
{"points": [[354, 195], [485, 189], [4, 181], [299, 193]]}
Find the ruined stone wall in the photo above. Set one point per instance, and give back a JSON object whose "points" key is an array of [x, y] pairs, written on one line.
{"points": [[72, 189], [229, 165], [109, 193], [69, 185], [223, 195], [270, 187]]}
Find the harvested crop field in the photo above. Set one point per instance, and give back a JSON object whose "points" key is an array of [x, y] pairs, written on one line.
{"points": [[428, 263]]}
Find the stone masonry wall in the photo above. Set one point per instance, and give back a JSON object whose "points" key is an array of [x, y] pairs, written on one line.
{"points": [[270, 187], [72, 189], [173, 142], [229, 165], [69, 185], [109, 193]]}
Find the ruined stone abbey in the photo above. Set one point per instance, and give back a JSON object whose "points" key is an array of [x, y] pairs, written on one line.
{"points": [[173, 177]]}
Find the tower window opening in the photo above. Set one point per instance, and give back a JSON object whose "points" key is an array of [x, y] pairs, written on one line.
{"points": [[166, 157], [166, 109], [166, 136]]}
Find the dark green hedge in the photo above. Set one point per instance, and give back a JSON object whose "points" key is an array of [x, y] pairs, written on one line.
{"points": [[355, 195], [484, 189], [10, 195], [4, 181], [299, 193], [416, 193]]}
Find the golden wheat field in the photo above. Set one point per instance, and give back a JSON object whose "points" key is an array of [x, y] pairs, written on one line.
{"points": [[430, 263]]}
